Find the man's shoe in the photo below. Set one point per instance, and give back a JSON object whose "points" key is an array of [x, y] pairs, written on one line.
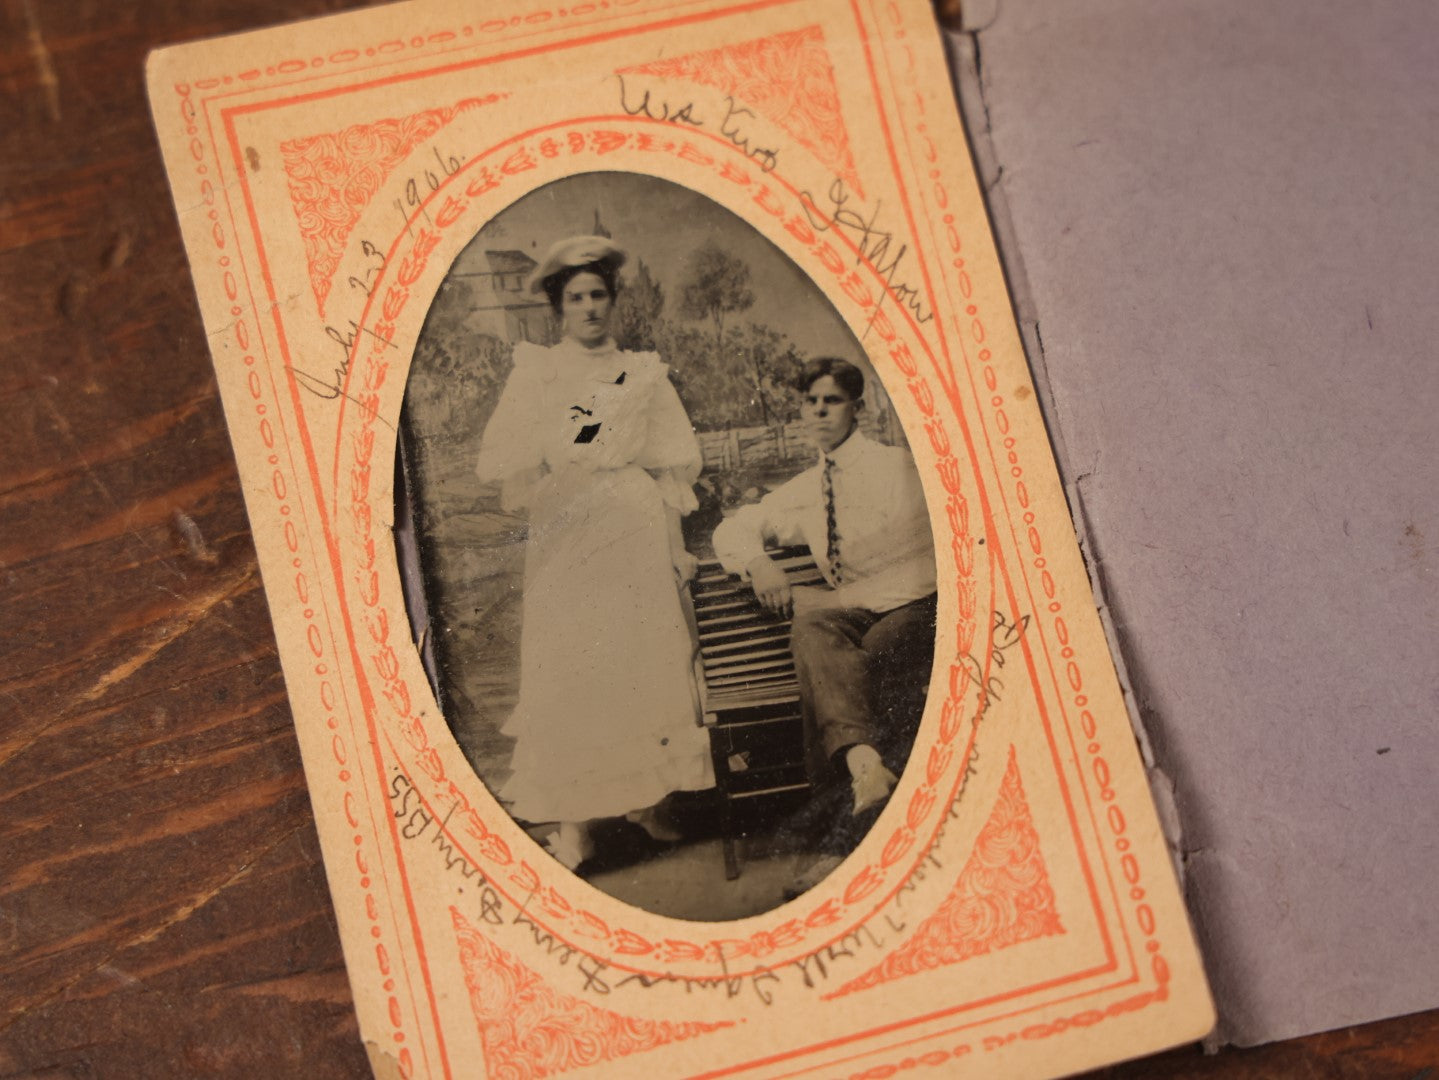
{"points": [[870, 781]]}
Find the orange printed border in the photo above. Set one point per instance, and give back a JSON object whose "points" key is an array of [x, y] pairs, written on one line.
{"points": [[906, 145]]}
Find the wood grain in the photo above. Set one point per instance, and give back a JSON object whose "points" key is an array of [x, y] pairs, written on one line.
{"points": [[163, 910]]}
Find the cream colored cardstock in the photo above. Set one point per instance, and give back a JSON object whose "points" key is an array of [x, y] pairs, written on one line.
{"points": [[1013, 910]]}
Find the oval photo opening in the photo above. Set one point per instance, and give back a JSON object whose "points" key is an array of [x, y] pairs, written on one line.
{"points": [[665, 550]]}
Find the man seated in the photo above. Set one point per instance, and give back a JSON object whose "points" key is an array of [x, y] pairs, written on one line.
{"points": [[863, 642]]}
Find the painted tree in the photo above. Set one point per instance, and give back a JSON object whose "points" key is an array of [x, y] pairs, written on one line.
{"points": [[637, 311], [770, 364], [716, 285]]}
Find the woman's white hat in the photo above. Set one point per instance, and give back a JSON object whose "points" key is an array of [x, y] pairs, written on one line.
{"points": [[576, 251]]}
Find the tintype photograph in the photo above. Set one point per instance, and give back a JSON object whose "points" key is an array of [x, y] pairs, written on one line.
{"points": [[670, 564]]}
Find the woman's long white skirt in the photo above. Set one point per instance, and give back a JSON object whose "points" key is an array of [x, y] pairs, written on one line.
{"points": [[607, 718]]}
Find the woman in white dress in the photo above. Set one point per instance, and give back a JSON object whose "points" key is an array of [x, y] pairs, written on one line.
{"points": [[593, 445]]}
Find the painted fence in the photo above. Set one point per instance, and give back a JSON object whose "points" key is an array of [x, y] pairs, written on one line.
{"points": [[779, 444]]}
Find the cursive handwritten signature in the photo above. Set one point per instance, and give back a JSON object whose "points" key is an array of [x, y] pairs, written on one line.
{"points": [[731, 126], [657, 109], [318, 386], [330, 390], [765, 157], [415, 818], [1004, 635], [872, 242]]}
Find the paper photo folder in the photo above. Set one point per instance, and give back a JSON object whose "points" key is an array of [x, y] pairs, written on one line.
{"points": [[1012, 909]]}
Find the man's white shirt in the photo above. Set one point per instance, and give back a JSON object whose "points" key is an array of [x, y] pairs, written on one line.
{"points": [[886, 549]]}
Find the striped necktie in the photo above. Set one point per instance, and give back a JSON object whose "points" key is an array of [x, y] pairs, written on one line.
{"points": [[831, 528]]}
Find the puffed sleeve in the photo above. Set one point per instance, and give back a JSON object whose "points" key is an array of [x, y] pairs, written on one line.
{"points": [[512, 446], [671, 452]]}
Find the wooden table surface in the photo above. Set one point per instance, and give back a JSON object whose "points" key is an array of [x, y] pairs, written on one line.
{"points": [[163, 909]]}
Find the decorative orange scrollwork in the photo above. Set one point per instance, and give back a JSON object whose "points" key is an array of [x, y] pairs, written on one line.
{"points": [[333, 176], [788, 78], [530, 1030], [1002, 897]]}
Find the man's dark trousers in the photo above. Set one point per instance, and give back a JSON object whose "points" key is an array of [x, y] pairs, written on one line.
{"points": [[862, 679]]}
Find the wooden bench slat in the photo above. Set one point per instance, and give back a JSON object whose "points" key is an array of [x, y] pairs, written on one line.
{"points": [[721, 665], [780, 637], [749, 689]]}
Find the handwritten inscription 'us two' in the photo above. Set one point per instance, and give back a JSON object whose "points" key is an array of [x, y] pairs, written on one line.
{"points": [[733, 124]]}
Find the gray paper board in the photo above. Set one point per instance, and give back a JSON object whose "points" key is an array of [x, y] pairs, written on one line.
{"points": [[1223, 232]]}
